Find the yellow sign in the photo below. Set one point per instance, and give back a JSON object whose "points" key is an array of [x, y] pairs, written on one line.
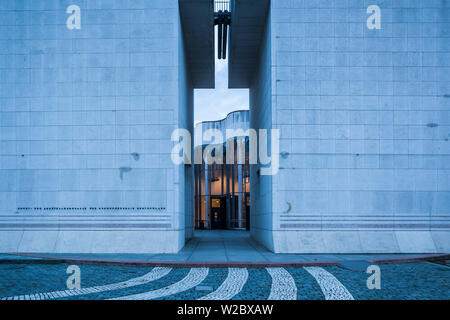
{"points": [[215, 203]]}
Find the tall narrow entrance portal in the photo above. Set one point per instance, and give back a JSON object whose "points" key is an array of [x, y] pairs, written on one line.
{"points": [[222, 190]]}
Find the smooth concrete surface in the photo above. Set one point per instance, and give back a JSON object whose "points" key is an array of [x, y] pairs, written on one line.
{"points": [[261, 115], [197, 18], [98, 241], [224, 246], [364, 126], [248, 24], [87, 115], [86, 119]]}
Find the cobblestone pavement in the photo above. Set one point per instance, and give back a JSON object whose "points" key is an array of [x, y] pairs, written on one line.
{"points": [[398, 281]]}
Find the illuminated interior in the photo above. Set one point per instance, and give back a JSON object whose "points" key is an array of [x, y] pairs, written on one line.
{"points": [[223, 189]]}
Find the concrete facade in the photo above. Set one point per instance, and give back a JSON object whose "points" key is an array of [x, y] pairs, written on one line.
{"points": [[365, 123], [86, 120]]}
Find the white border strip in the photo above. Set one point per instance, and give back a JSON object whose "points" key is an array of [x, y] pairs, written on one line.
{"points": [[153, 275], [331, 287], [283, 285], [194, 278], [233, 284]]}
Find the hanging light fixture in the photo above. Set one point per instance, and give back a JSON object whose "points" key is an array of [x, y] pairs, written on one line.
{"points": [[222, 19]]}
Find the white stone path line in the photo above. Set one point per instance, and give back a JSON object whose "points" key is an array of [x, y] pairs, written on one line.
{"points": [[153, 275], [331, 287], [283, 285], [194, 278], [233, 284]]}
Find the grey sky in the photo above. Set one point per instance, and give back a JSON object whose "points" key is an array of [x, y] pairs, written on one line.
{"points": [[215, 104]]}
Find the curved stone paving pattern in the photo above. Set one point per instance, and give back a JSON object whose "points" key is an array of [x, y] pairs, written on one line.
{"points": [[331, 287], [233, 284], [194, 278], [176, 275], [216, 276], [402, 281], [307, 286], [257, 286], [17, 279], [153, 275], [399, 281], [283, 285]]}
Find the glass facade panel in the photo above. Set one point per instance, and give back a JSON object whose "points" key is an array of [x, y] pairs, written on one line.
{"points": [[223, 191]]}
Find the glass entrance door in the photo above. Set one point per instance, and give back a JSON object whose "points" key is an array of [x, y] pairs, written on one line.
{"points": [[218, 213]]}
